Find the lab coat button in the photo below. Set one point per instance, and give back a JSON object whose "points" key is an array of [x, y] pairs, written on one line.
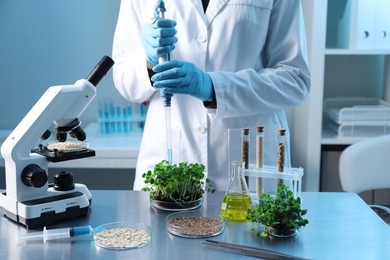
{"points": [[201, 130], [202, 38]]}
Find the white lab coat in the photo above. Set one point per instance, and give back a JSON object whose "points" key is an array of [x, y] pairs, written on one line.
{"points": [[255, 53]]}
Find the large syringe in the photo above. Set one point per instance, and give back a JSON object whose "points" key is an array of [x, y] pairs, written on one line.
{"points": [[160, 9], [70, 233]]}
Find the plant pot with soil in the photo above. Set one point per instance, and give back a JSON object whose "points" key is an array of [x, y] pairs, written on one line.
{"points": [[281, 215], [176, 187]]}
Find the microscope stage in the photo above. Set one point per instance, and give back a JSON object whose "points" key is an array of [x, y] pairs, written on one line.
{"points": [[52, 156]]}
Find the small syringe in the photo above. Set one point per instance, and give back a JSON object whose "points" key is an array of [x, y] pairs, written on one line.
{"points": [[70, 233], [160, 9]]}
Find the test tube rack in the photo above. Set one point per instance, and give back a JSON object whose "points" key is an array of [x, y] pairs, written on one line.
{"points": [[119, 117], [292, 178]]}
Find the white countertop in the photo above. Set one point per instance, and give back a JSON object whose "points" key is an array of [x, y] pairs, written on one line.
{"points": [[119, 152]]}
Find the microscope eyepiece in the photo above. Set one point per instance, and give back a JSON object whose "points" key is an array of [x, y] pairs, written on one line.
{"points": [[100, 70]]}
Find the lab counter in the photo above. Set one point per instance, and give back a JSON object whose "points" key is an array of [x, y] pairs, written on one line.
{"points": [[341, 226]]}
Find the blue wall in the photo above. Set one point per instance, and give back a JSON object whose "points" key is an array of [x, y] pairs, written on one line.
{"points": [[51, 42]]}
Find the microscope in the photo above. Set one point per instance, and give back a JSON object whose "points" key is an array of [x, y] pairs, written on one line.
{"points": [[29, 198]]}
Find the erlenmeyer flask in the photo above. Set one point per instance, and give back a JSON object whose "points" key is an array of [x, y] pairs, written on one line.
{"points": [[237, 200]]}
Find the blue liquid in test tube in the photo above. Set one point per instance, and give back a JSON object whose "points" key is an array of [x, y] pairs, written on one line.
{"points": [[125, 121], [118, 118], [170, 156], [130, 114], [106, 117]]}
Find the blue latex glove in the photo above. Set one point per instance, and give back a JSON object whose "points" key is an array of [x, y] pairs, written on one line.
{"points": [[180, 77], [158, 38]]}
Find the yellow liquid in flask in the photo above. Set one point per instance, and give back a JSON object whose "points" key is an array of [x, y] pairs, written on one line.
{"points": [[235, 206]]}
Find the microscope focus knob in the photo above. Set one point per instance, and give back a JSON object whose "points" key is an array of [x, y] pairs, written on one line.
{"points": [[33, 175], [63, 181]]}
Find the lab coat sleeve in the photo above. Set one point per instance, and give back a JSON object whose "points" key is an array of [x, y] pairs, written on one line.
{"points": [[283, 83], [130, 77]]}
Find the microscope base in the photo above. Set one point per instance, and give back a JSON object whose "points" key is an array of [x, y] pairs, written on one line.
{"points": [[55, 208]]}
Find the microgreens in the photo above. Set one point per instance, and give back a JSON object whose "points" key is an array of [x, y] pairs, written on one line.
{"points": [[281, 211], [179, 183]]}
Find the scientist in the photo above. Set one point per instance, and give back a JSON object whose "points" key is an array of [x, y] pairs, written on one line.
{"points": [[234, 64]]}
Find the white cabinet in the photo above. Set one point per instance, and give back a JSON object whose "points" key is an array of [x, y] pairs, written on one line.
{"points": [[336, 72]]}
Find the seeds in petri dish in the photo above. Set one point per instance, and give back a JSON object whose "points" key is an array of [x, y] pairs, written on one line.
{"points": [[195, 226], [66, 146], [122, 238]]}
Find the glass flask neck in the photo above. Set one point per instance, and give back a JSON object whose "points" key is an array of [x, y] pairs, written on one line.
{"points": [[237, 182]]}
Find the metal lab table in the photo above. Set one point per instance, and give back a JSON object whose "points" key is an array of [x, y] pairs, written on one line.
{"points": [[341, 226]]}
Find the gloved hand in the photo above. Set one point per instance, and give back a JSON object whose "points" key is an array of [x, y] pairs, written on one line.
{"points": [[180, 77], [158, 38]]}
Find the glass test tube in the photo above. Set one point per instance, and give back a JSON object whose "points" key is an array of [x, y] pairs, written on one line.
{"points": [[281, 152], [259, 157], [245, 151]]}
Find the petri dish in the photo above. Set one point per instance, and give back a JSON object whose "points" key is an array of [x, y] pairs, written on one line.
{"points": [[67, 146], [194, 224], [122, 236], [173, 206]]}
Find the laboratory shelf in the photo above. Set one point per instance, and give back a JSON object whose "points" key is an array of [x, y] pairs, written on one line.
{"points": [[340, 51], [331, 138]]}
